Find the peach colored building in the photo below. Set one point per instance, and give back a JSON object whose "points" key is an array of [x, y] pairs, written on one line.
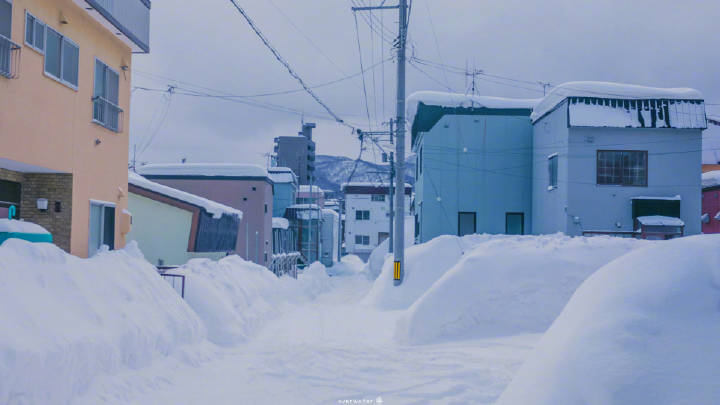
{"points": [[65, 68]]}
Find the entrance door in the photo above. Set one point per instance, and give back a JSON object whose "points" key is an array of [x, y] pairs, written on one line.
{"points": [[102, 227], [9, 196], [515, 223], [466, 223]]}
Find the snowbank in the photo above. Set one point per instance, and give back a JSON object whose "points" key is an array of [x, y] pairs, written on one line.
{"points": [[234, 297], [65, 321], [505, 285], [212, 207], [437, 98], [15, 226], [379, 255], [349, 265], [642, 330]]}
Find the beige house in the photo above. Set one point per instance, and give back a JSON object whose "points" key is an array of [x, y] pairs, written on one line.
{"points": [[65, 68]]}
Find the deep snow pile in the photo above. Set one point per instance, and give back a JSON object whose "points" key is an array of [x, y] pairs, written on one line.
{"points": [[503, 285], [377, 258], [349, 265], [642, 330], [234, 297], [65, 320]]}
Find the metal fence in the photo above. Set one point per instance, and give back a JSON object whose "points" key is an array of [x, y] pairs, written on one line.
{"points": [[107, 114], [177, 281], [9, 58]]}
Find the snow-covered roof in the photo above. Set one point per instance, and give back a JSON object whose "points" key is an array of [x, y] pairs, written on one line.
{"points": [[212, 207], [376, 184], [437, 98], [659, 220], [331, 213], [711, 179], [15, 226], [664, 198], [304, 207], [610, 91], [281, 175], [203, 169], [280, 223], [306, 188]]}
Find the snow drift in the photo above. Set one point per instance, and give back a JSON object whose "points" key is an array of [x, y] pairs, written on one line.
{"points": [[506, 286], [642, 330], [65, 320], [234, 297]]}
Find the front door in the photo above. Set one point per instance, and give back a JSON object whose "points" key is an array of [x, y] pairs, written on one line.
{"points": [[515, 223], [102, 227]]}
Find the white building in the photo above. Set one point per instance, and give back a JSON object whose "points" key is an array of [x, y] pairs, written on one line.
{"points": [[367, 220], [608, 154]]}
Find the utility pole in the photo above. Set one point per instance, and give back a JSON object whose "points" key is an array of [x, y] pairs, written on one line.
{"points": [[391, 248], [399, 253], [399, 234]]}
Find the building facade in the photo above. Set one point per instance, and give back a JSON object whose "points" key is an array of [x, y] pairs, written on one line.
{"points": [[606, 154], [285, 189], [473, 164], [245, 187], [711, 202], [172, 226], [297, 153], [64, 106], [367, 216]]}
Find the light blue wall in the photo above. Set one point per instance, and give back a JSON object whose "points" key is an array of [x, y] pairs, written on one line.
{"points": [[550, 135], [474, 163], [674, 168], [283, 197]]}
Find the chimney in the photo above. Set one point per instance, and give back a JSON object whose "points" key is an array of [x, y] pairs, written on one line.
{"points": [[307, 130]]}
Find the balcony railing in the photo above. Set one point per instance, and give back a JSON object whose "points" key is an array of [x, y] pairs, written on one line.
{"points": [[107, 114], [130, 17], [9, 58]]}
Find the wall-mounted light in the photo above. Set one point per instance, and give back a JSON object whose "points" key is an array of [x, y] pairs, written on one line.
{"points": [[97, 141], [42, 204]]}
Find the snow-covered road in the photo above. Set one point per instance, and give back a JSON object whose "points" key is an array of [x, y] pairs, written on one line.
{"points": [[335, 350]]}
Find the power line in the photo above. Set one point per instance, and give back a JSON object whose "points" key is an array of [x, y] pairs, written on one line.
{"points": [[286, 64], [357, 32]]}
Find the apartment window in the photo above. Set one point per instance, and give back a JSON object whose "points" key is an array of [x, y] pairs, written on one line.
{"points": [[34, 33], [552, 171], [5, 18], [362, 240], [361, 215], [266, 208], [467, 223], [622, 168], [102, 226], [61, 58], [105, 97], [378, 197]]}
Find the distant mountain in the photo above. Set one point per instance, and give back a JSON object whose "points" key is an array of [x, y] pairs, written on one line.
{"points": [[333, 171]]}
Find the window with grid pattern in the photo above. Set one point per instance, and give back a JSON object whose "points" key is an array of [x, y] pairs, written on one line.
{"points": [[622, 168]]}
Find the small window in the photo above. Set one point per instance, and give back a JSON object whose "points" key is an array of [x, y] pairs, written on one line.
{"points": [[34, 33], [362, 240], [378, 197], [62, 57], [552, 171], [266, 208], [622, 168], [254, 188], [361, 215]]}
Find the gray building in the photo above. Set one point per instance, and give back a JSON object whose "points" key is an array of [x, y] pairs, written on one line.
{"points": [[607, 154], [297, 153]]}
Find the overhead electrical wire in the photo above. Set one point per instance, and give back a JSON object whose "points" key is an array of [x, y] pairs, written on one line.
{"points": [[367, 108]]}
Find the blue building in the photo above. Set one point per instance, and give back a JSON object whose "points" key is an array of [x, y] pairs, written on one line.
{"points": [[285, 189], [474, 164]]}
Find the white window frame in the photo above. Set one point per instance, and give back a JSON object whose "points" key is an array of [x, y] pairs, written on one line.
{"points": [[95, 61], [552, 185], [62, 39], [102, 204], [44, 33]]}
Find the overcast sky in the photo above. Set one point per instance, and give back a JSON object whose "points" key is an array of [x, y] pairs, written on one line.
{"points": [[207, 47]]}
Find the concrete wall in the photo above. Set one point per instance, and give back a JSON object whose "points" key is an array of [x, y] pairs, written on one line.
{"points": [[239, 194], [674, 168], [474, 163], [47, 124], [550, 135]]}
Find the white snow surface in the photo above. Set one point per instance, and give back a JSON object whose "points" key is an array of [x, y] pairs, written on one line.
{"points": [[442, 99], [65, 320], [15, 226], [659, 220], [214, 208], [609, 90], [280, 223], [203, 169], [642, 330], [306, 188], [281, 175], [669, 198], [502, 285], [711, 179]]}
